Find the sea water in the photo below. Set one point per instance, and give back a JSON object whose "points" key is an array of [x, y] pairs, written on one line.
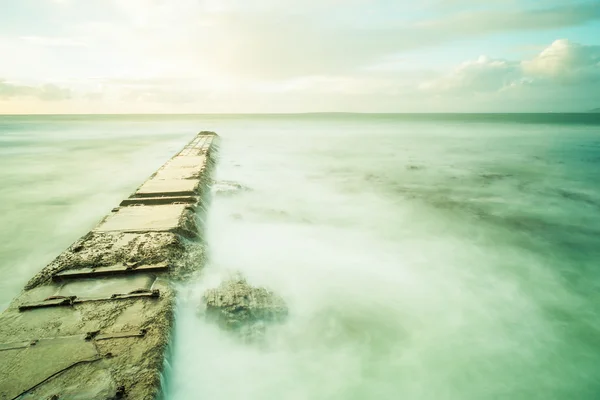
{"points": [[421, 257]]}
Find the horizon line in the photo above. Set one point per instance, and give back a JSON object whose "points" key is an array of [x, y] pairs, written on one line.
{"points": [[307, 113]]}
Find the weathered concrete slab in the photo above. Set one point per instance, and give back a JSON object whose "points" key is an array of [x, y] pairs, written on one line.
{"points": [[77, 291], [113, 248], [162, 187], [184, 174], [157, 201], [41, 360], [134, 363], [113, 270], [94, 324], [191, 162], [161, 218]]}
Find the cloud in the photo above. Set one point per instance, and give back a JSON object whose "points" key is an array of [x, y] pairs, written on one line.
{"points": [[270, 39], [8, 90], [478, 76], [47, 92], [267, 45], [563, 76], [51, 92], [562, 63], [565, 62], [489, 21], [268, 53]]}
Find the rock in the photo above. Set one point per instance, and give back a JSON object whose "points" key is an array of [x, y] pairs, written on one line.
{"points": [[241, 308], [228, 188]]}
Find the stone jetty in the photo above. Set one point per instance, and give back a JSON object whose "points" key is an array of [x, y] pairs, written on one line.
{"points": [[95, 323]]}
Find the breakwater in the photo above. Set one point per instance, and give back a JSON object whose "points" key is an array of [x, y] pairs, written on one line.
{"points": [[95, 322]]}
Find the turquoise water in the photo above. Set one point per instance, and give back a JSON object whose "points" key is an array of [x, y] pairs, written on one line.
{"points": [[421, 256]]}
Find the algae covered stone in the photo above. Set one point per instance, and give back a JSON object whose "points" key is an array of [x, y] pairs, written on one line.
{"points": [[237, 306]]}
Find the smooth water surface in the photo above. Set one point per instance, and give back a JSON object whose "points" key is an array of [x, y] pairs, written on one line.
{"points": [[422, 257]]}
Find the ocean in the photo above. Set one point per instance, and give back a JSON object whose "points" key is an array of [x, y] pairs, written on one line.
{"points": [[447, 257]]}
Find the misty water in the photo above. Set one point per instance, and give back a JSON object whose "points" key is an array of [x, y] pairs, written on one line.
{"points": [[421, 257]]}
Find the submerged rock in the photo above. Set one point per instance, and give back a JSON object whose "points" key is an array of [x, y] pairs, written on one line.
{"points": [[241, 308], [228, 188]]}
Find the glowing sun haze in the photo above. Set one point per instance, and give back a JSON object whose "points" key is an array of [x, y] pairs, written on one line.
{"points": [[229, 56]]}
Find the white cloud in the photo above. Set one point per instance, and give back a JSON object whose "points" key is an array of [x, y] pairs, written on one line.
{"points": [[50, 92], [268, 39], [478, 76], [220, 53], [565, 62], [513, 19], [47, 92], [561, 77]]}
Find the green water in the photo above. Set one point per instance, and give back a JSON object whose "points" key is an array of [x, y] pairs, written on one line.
{"points": [[421, 256]]}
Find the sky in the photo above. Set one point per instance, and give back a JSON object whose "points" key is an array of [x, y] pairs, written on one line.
{"points": [[280, 56]]}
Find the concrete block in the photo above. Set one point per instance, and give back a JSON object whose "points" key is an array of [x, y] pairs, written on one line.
{"points": [[164, 218]]}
